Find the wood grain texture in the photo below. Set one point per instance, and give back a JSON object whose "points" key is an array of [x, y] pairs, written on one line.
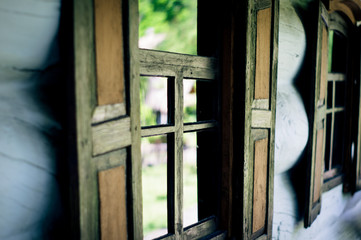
{"points": [[157, 63], [109, 51], [318, 166], [261, 119], [111, 136], [201, 229], [324, 64], [108, 112], [113, 220], [263, 54], [260, 184]]}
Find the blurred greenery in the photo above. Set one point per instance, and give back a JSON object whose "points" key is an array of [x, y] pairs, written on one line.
{"points": [[155, 194], [176, 18]]}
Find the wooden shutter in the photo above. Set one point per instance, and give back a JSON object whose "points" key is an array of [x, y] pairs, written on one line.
{"points": [[106, 125], [357, 164], [259, 132], [318, 121]]}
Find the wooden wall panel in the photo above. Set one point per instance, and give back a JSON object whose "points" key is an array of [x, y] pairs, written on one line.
{"points": [[263, 54], [113, 221], [260, 184], [109, 51], [324, 64], [318, 166]]}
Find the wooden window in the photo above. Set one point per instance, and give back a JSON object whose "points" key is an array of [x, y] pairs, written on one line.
{"points": [[336, 137]]}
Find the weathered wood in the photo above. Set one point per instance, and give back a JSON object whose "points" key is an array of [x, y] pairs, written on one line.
{"points": [[318, 165], [86, 224], [316, 147], [324, 65], [263, 104], [219, 235], [262, 4], [108, 112], [261, 119], [200, 229], [157, 130], [113, 219], [135, 199], [109, 51], [156, 63], [178, 155], [332, 183], [263, 54], [336, 77], [111, 136], [111, 160], [191, 127], [260, 178]]}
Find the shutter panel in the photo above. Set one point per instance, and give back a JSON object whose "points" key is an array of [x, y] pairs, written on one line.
{"points": [[357, 169], [106, 127], [318, 127], [259, 136]]}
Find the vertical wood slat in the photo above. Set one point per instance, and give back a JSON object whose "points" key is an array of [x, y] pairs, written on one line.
{"points": [[109, 51], [134, 195], [178, 154], [263, 54], [318, 165], [324, 65], [113, 221], [260, 184], [86, 223]]}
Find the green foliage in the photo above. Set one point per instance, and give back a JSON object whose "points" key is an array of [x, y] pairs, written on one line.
{"points": [[175, 18], [155, 194]]}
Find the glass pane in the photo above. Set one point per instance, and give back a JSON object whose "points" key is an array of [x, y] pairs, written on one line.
{"points": [[330, 47], [168, 25], [153, 101], [338, 140], [154, 184], [339, 53], [190, 179], [340, 97], [199, 102], [329, 94], [328, 142], [190, 101]]}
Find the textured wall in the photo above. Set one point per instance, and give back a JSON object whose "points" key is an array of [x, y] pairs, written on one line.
{"points": [[29, 194]]}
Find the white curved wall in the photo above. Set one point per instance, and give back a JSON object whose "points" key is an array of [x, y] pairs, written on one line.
{"points": [[29, 196]]}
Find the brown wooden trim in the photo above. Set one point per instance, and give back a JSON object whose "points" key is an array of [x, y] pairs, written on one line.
{"points": [[109, 51], [113, 219], [157, 130]]}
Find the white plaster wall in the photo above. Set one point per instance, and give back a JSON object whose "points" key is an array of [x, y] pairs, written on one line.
{"points": [[29, 196]]}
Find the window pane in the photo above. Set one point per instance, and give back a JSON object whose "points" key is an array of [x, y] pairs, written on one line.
{"points": [[154, 184], [339, 53], [190, 101], [190, 179], [329, 94], [338, 140], [153, 101], [199, 102], [340, 94], [168, 25], [328, 142]]}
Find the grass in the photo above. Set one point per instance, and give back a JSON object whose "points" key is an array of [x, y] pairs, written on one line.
{"points": [[155, 194]]}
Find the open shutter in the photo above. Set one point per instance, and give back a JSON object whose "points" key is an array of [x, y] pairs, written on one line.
{"points": [[318, 124], [259, 132], [106, 131], [357, 169]]}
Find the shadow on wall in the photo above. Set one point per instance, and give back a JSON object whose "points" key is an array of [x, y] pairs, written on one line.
{"points": [[306, 11]]}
